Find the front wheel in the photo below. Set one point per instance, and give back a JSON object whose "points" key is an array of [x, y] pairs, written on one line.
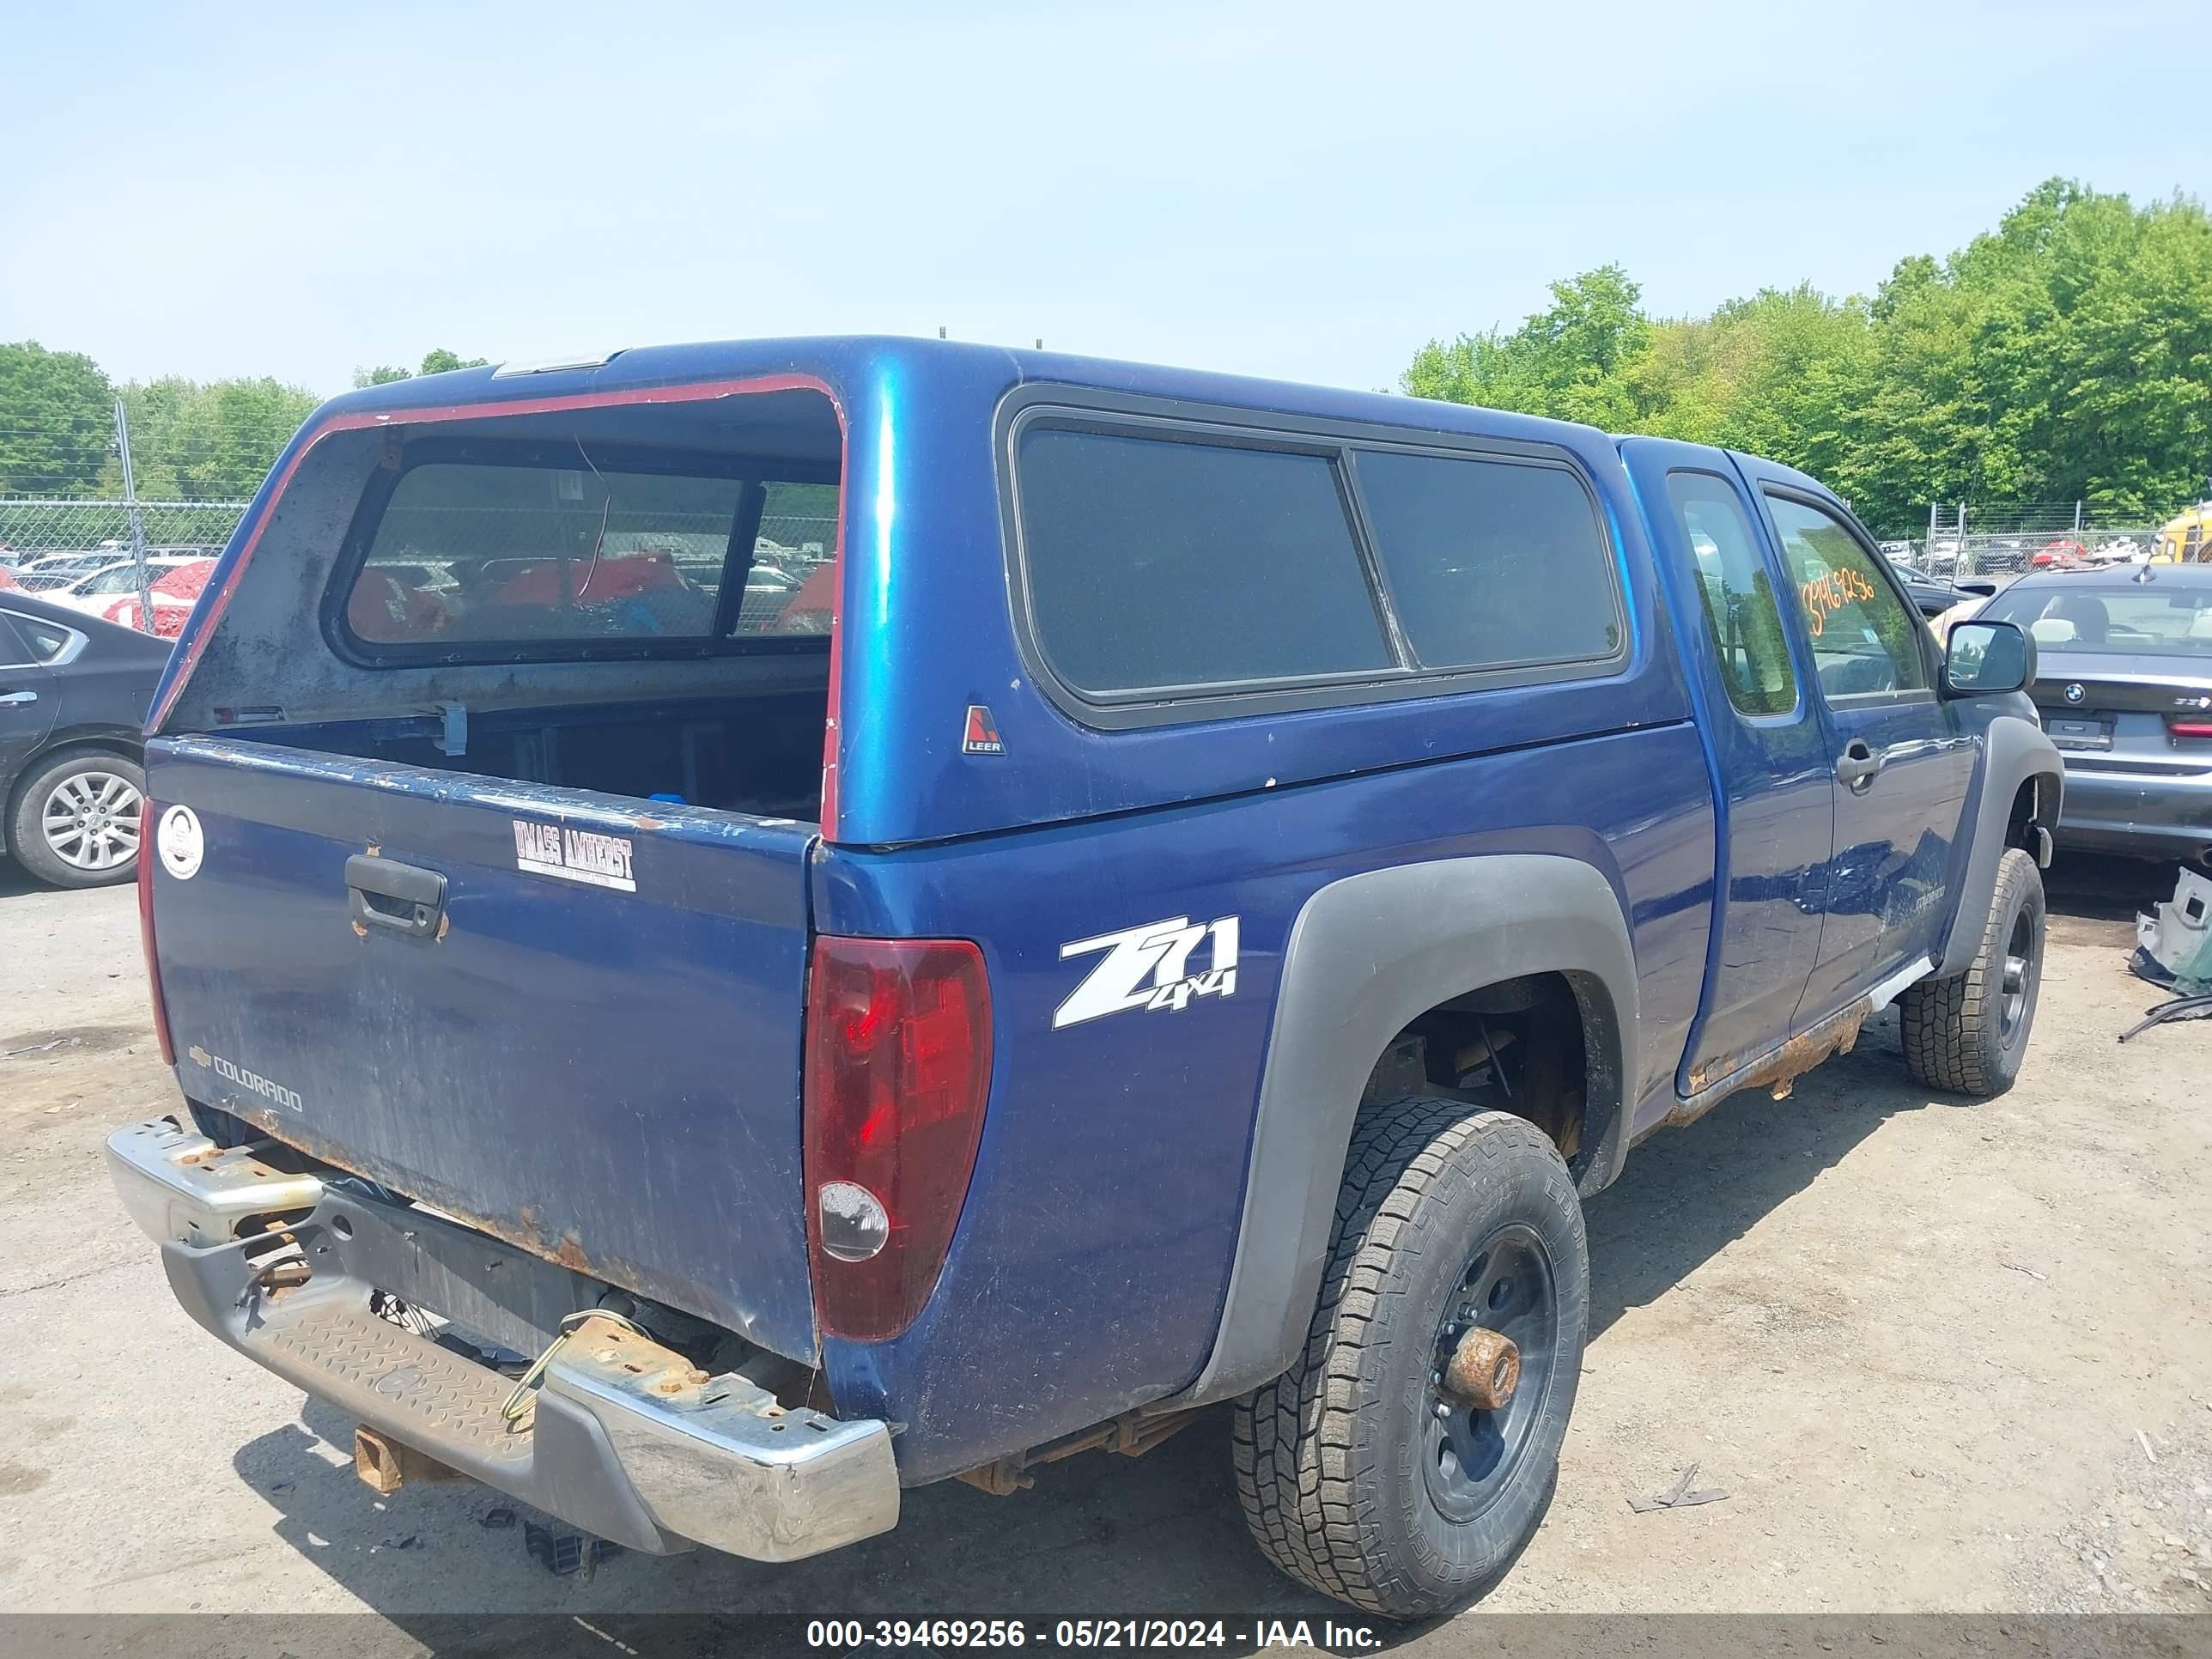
{"points": [[77, 819], [1407, 1458], [1968, 1034]]}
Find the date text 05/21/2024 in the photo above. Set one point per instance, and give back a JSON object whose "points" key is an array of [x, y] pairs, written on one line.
{"points": [[1323, 1635]]}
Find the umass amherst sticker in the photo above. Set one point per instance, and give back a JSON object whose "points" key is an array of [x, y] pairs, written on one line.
{"points": [[551, 849]]}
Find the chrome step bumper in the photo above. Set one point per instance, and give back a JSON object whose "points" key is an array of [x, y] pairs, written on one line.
{"points": [[626, 1440]]}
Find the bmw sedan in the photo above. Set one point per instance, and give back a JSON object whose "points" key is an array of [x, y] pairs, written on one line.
{"points": [[2124, 685]]}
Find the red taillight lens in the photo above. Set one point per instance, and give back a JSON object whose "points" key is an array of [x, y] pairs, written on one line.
{"points": [[898, 1067], [2189, 726], [149, 815]]}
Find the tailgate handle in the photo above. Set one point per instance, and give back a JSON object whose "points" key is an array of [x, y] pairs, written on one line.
{"points": [[400, 897]]}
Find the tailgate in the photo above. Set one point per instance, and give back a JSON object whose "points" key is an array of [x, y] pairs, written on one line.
{"points": [[586, 1040]]}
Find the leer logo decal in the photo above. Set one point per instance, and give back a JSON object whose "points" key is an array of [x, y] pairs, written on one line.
{"points": [[552, 849], [1149, 967], [980, 735]]}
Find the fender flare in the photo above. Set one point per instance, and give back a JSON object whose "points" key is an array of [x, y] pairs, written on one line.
{"points": [[1366, 954], [2013, 750]]}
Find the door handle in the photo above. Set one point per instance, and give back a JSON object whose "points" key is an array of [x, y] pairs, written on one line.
{"points": [[400, 898], [1857, 765], [18, 696]]}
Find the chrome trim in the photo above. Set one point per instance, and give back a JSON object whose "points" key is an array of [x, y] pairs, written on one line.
{"points": [[720, 1462], [72, 648], [178, 1184], [714, 1460], [1898, 983]]}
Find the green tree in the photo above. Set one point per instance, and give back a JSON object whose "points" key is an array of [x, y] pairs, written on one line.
{"points": [[214, 440], [439, 360], [2067, 355], [56, 421], [436, 361], [1567, 361]]}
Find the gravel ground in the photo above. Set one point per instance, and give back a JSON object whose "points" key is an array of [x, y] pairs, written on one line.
{"points": [[1943, 1357]]}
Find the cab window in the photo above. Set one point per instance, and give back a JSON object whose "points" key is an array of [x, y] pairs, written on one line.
{"points": [[1735, 590], [1865, 640]]}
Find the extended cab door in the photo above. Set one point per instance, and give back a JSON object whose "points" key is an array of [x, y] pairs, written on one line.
{"points": [[1901, 765], [1767, 743]]}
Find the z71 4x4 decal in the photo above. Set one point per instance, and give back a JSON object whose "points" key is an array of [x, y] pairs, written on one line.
{"points": [[1149, 967]]}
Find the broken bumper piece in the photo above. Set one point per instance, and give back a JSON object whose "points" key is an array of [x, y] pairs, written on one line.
{"points": [[626, 1440]]}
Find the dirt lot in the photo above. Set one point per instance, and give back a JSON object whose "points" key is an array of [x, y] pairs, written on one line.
{"points": [[1942, 1357]]}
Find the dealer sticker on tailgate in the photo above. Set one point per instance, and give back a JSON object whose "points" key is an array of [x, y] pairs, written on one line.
{"points": [[553, 849]]}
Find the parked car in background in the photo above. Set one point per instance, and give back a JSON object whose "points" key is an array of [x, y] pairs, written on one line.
{"points": [[173, 594], [2125, 686], [51, 570], [2062, 554], [1931, 596], [95, 591], [73, 696]]}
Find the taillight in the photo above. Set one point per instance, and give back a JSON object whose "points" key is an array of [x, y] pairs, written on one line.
{"points": [[898, 1067], [148, 816], [2189, 726]]}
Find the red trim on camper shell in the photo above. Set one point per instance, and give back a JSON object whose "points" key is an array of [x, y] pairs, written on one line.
{"points": [[700, 392]]}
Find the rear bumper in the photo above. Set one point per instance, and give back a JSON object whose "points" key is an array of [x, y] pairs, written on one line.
{"points": [[626, 1441], [2143, 814]]}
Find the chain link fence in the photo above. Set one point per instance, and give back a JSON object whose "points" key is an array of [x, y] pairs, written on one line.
{"points": [[33, 529], [1964, 541]]}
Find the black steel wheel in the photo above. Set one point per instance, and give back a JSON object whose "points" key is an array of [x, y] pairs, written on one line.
{"points": [[1405, 1461]]}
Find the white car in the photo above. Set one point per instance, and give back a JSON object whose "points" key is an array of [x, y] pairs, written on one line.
{"points": [[95, 591]]}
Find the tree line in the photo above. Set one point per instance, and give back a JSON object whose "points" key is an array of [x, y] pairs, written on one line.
{"points": [[2065, 356], [191, 441]]}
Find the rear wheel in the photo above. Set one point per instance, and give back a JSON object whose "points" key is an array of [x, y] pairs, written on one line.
{"points": [[75, 821], [1968, 1034], [1405, 1461]]}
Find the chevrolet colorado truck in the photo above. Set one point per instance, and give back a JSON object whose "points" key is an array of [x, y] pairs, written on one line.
{"points": [[742, 928]]}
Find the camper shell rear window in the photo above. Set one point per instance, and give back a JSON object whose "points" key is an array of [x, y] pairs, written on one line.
{"points": [[487, 551]]}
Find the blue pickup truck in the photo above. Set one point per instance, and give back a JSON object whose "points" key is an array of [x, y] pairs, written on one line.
{"points": [[744, 927]]}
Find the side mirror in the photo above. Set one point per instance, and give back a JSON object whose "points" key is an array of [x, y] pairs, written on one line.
{"points": [[1984, 657]]}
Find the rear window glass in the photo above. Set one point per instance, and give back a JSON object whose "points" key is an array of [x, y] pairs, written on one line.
{"points": [[1491, 563], [1156, 563], [30, 639], [2137, 619], [467, 554]]}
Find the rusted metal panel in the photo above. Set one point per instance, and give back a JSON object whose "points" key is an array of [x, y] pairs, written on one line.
{"points": [[1777, 1070]]}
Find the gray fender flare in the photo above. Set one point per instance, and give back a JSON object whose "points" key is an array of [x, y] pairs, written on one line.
{"points": [[2013, 750], [1366, 954]]}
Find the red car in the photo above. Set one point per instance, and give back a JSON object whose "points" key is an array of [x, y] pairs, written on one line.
{"points": [[173, 595]]}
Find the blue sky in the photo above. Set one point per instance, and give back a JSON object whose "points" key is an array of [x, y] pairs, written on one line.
{"points": [[1304, 192]]}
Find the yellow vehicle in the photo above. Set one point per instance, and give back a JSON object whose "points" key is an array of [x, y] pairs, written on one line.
{"points": [[2186, 539]]}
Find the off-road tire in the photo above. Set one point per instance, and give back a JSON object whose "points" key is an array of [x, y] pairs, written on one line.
{"points": [[1326, 1455], [27, 836], [1954, 1032]]}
